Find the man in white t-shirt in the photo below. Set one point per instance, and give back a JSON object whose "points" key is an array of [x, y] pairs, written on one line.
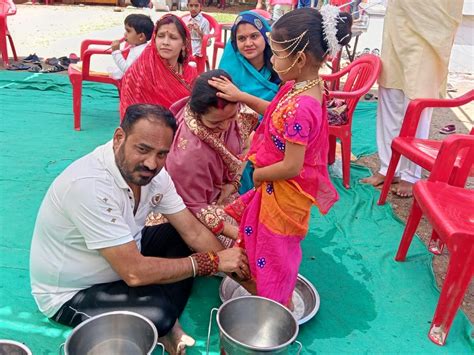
{"points": [[91, 252]]}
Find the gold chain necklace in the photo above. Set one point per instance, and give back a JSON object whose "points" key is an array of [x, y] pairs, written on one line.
{"points": [[296, 90]]}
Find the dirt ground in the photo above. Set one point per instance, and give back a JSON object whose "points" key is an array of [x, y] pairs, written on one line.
{"points": [[39, 28]]}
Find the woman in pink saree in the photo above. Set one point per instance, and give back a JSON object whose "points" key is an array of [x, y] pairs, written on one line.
{"points": [[205, 160], [162, 74]]}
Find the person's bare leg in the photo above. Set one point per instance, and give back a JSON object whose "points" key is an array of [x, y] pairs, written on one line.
{"points": [[176, 341], [404, 189], [377, 179]]}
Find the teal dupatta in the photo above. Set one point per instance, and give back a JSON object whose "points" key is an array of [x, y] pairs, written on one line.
{"points": [[246, 77]]}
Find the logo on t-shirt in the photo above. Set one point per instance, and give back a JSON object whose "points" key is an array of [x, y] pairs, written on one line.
{"points": [[155, 200]]}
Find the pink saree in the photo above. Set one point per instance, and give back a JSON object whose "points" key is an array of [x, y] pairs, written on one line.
{"points": [[150, 80], [274, 218], [200, 162]]}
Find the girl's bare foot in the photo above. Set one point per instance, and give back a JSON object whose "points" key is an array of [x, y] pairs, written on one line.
{"points": [[404, 189], [377, 179], [176, 341]]}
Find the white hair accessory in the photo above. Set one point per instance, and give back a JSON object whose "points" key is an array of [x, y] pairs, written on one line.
{"points": [[330, 16]]}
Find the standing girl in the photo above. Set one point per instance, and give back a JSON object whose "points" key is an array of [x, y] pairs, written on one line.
{"points": [[289, 149]]}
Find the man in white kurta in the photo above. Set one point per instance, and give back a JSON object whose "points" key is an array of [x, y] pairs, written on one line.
{"points": [[417, 40]]}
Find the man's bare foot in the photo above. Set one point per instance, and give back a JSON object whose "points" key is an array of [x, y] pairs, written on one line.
{"points": [[404, 189], [377, 179], [176, 341]]}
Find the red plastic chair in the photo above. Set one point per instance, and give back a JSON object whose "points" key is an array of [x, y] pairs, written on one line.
{"points": [[7, 8], [423, 152], [215, 32], [361, 75], [450, 210], [77, 76]]}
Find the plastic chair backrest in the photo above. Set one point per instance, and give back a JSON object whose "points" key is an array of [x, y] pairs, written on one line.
{"points": [[415, 108], [215, 27], [457, 145], [362, 74], [7, 7]]}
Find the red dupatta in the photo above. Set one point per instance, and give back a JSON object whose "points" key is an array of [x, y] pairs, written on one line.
{"points": [[150, 80]]}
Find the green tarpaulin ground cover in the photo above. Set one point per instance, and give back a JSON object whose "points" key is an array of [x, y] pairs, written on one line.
{"points": [[369, 303]]}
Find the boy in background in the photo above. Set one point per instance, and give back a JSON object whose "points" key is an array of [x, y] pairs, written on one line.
{"points": [[138, 31], [197, 25]]}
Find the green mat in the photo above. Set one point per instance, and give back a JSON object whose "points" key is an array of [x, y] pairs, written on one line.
{"points": [[363, 129], [369, 303]]}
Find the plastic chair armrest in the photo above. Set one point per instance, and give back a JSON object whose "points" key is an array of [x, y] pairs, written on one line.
{"points": [[91, 42], [86, 58]]}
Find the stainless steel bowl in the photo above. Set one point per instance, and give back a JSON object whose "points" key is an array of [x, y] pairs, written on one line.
{"points": [[12, 347], [118, 333], [305, 297], [251, 325]]}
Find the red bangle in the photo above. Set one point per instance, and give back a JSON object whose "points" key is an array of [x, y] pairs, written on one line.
{"points": [[218, 229], [207, 263], [215, 261]]}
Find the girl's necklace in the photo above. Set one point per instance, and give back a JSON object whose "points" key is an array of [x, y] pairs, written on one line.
{"points": [[297, 89]]}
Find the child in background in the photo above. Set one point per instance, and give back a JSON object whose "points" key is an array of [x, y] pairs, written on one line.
{"points": [[198, 26], [289, 150], [280, 7], [138, 31], [307, 3]]}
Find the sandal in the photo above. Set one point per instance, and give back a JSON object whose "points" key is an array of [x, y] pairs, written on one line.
{"points": [[64, 61], [35, 68], [376, 52], [53, 69], [74, 58], [52, 61], [19, 66], [448, 129]]}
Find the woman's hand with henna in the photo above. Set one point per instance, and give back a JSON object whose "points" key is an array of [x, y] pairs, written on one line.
{"points": [[226, 191]]}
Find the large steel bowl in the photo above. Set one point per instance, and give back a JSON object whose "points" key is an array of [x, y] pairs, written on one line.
{"points": [[305, 298], [118, 333]]}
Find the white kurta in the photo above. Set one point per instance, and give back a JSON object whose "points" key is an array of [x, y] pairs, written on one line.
{"points": [[417, 40]]}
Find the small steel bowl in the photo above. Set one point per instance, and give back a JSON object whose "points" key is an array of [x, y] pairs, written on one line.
{"points": [[305, 297]]}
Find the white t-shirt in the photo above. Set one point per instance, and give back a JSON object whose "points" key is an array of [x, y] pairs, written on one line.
{"points": [[122, 63], [196, 40], [89, 207]]}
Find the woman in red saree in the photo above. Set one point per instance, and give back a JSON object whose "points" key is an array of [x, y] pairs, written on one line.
{"points": [[205, 158], [162, 74]]}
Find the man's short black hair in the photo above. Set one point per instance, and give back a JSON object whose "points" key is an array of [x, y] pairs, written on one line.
{"points": [[141, 24], [136, 112]]}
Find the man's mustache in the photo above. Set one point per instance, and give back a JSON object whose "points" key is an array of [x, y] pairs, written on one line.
{"points": [[145, 169]]}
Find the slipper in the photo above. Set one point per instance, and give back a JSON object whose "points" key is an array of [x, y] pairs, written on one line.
{"points": [[74, 58], [368, 96], [32, 58], [448, 129], [53, 69], [18, 66], [35, 68], [52, 61], [376, 52], [64, 61]]}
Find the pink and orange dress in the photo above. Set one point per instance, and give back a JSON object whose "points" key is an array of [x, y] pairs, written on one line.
{"points": [[274, 218]]}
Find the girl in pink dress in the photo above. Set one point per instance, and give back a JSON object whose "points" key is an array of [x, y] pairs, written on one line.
{"points": [[289, 150]]}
